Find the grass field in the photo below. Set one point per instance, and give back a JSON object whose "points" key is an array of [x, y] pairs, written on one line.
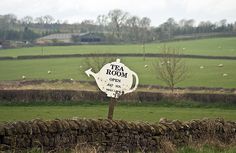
{"points": [[213, 46], [66, 68], [149, 113]]}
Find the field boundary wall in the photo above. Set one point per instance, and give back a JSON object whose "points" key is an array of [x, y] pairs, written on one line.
{"points": [[113, 135], [32, 96], [151, 55]]}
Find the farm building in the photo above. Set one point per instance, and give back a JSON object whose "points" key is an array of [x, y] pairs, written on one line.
{"points": [[13, 44], [90, 37], [71, 38]]}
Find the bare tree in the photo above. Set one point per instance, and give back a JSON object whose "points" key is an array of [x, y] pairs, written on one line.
{"points": [[48, 19], [9, 20], [117, 18], [234, 27], [87, 26], [171, 69], [102, 21], [144, 25], [39, 20], [132, 25], [27, 20]]}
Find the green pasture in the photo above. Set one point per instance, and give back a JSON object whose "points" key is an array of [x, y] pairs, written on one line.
{"points": [[66, 68], [213, 46], [124, 112]]}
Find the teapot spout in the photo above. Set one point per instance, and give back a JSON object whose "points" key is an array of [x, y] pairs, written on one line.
{"points": [[89, 72]]}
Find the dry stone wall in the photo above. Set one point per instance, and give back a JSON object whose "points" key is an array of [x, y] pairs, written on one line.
{"points": [[113, 55], [115, 135]]}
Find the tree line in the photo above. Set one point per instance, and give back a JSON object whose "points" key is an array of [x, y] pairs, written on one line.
{"points": [[116, 26]]}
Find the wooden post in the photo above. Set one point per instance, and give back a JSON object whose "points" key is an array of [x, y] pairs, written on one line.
{"points": [[111, 108], [42, 50]]}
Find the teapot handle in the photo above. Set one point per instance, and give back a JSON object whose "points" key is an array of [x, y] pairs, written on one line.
{"points": [[136, 83]]}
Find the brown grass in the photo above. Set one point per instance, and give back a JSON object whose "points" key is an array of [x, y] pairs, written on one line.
{"points": [[167, 146]]}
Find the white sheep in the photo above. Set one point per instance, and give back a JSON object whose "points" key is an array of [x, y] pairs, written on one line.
{"points": [[225, 74], [145, 66], [220, 65], [201, 67], [49, 72], [23, 77]]}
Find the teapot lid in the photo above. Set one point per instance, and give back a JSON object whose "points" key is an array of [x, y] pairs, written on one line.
{"points": [[118, 60]]}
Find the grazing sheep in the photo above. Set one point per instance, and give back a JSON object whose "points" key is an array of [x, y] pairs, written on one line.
{"points": [[225, 74], [23, 77], [145, 66], [220, 65], [201, 67], [71, 79], [49, 72]]}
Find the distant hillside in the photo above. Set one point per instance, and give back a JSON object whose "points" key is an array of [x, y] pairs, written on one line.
{"points": [[115, 27]]}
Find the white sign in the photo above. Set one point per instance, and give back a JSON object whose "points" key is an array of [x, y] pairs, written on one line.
{"points": [[115, 79]]}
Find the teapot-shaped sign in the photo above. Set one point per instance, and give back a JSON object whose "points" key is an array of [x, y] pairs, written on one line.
{"points": [[115, 79]]}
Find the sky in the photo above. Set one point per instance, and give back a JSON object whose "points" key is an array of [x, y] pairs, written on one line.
{"points": [[158, 11]]}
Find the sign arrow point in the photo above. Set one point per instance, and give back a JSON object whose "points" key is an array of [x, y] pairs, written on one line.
{"points": [[89, 72]]}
